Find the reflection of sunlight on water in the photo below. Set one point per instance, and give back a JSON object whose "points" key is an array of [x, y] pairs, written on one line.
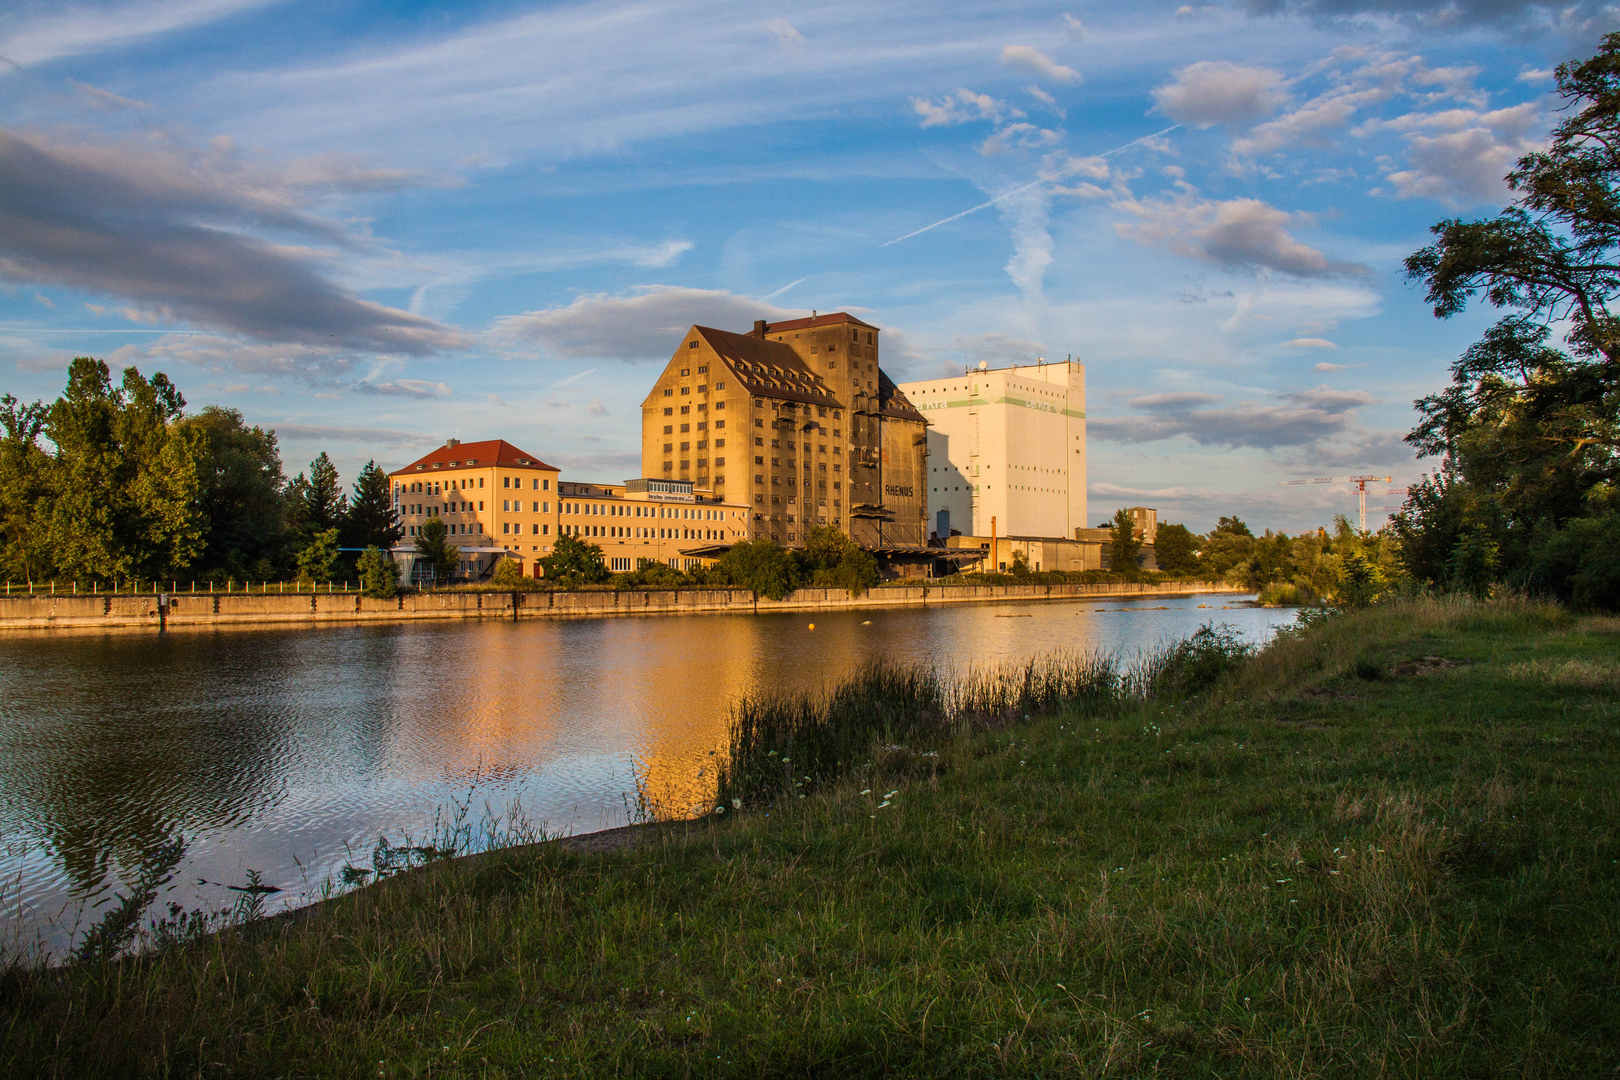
{"points": [[291, 752]]}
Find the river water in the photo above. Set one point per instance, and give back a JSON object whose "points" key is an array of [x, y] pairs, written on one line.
{"points": [[289, 752]]}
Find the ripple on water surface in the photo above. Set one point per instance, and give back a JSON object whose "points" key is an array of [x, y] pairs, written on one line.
{"points": [[291, 751]]}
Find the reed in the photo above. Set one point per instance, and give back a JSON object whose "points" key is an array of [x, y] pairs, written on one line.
{"points": [[784, 745]]}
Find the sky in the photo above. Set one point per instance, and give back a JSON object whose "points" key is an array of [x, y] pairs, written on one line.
{"points": [[376, 226]]}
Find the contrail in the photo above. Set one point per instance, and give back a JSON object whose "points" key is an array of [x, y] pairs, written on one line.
{"points": [[785, 288], [1026, 187]]}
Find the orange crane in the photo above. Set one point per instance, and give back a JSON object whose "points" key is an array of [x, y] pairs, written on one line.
{"points": [[1361, 483]]}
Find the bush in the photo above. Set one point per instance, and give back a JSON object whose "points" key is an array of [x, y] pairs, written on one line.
{"points": [[509, 575], [1287, 594], [379, 579], [318, 561], [763, 566], [1580, 563], [575, 562]]}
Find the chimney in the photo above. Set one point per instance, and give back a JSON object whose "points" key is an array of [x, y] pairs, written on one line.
{"points": [[451, 443], [759, 328]]}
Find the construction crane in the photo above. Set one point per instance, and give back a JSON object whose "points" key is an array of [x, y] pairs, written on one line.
{"points": [[1361, 483]]}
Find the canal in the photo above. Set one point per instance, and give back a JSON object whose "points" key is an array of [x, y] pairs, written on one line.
{"points": [[289, 752]]}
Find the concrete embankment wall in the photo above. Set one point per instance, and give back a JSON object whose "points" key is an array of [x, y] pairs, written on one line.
{"points": [[219, 610]]}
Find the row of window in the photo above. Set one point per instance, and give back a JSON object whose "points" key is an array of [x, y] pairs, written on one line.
{"points": [[628, 532], [439, 487]]}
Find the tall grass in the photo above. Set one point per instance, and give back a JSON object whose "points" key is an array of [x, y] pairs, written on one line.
{"points": [[783, 745]]}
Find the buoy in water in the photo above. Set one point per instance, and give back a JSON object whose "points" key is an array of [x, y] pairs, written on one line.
{"points": [[812, 626]]}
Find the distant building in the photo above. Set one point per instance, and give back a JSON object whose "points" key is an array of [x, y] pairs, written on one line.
{"points": [[498, 501], [495, 499], [796, 422], [650, 520], [1008, 444]]}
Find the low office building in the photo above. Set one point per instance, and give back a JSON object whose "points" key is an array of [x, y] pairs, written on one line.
{"points": [[650, 520], [1006, 450], [495, 501]]}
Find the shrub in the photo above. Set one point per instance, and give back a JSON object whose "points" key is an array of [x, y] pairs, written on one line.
{"points": [[379, 579], [509, 575], [575, 562], [318, 561], [763, 566], [1580, 563]]}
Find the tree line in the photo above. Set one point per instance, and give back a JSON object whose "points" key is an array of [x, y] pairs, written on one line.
{"points": [[116, 481], [1527, 435]]}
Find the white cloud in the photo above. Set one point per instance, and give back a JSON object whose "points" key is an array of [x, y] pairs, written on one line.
{"points": [[645, 325], [999, 349], [1020, 136], [411, 388], [963, 107], [785, 34], [1046, 99], [320, 433], [42, 32], [1310, 343], [1214, 92], [1239, 233], [1469, 163], [1032, 59], [1305, 418], [1535, 75], [1075, 28], [218, 354], [1328, 369]]}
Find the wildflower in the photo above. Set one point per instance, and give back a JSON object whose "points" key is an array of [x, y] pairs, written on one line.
{"points": [[736, 804], [866, 791], [882, 804], [719, 809]]}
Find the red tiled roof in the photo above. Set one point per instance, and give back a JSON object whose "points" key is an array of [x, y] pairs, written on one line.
{"points": [[477, 455], [769, 368], [817, 320]]}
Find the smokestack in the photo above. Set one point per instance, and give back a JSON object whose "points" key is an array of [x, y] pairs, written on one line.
{"points": [[759, 328], [452, 442]]}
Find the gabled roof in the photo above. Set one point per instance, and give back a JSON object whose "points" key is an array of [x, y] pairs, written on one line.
{"points": [[817, 320], [892, 401], [768, 368], [475, 455]]}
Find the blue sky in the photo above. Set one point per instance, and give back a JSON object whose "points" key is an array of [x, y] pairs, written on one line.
{"points": [[373, 226]]}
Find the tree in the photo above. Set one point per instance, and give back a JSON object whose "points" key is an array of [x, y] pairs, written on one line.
{"points": [[239, 473], [763, 566], [319, 559], [831, 560], [509, 575], [23, 490], [1125, 546], [440, 556], [122, 488], [317, 503], [379, 577], [371, 520], [1175, 549], [1528, 434], [574, 562]]}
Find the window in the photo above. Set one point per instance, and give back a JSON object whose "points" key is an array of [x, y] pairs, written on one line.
{"points": [[669, 412], [719, 461], [720, 386], [703, 389], [685, 428], [719, 405], [685, 372], [719, 442], [668, 447], [685, 409], [669, 391], [685, 390], [703, 424], [690, 345]]}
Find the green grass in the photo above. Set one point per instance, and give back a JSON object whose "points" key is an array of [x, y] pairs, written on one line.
{"points": [[1384, 847]]}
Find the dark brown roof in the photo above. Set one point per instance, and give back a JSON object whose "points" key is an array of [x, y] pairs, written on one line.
{"points": [[476, 455], [769, 368], [893, 402], [815, 321]]}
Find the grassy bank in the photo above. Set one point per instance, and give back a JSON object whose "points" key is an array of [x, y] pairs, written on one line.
{"points": [[1386, 847]]}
